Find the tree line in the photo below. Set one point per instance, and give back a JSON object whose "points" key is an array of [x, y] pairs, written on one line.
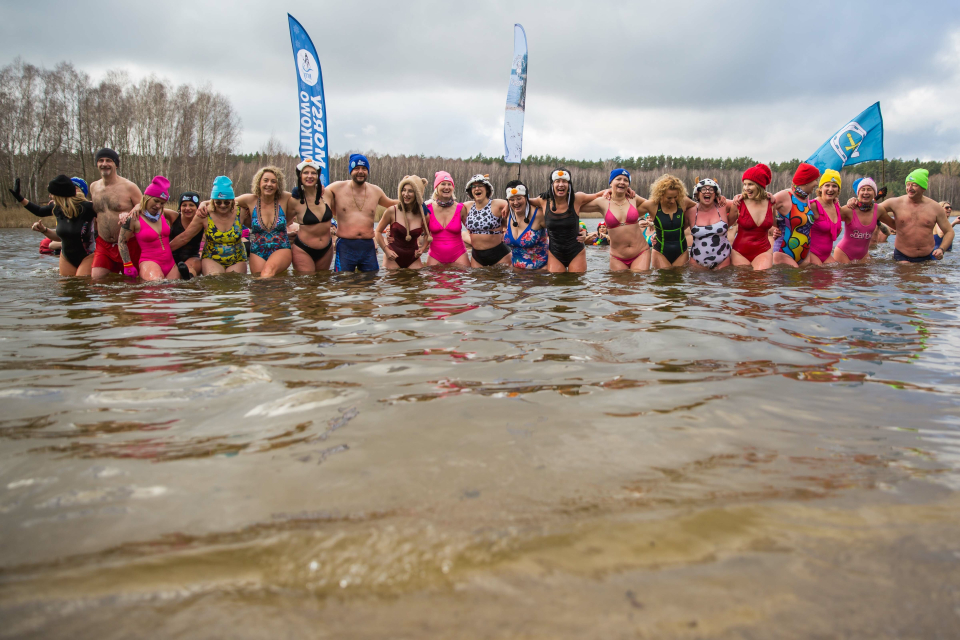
{"points": [[54, 120]]}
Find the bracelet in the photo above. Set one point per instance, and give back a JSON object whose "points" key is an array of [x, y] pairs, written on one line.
{"points": [[127, 264]]}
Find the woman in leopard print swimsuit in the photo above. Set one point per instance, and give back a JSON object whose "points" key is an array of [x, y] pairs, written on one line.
{"points": [[484, 221]]}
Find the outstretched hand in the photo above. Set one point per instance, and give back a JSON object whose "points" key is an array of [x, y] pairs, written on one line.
{"points": [[15, 192], [737, 199]]}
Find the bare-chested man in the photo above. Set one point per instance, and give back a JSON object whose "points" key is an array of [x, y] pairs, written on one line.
{"points": [[354, 205], [111, 196], [916, 216]]}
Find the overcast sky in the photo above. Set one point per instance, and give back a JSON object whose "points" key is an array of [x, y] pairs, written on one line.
{"points": [[763, 79]]}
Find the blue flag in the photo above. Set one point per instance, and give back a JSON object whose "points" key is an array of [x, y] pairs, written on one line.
{"points": [[313, 112], [516, 99], [860, 140]]}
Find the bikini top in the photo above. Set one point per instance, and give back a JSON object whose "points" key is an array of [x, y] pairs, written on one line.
{"points": [[310, 218], [610, 219], [482, 222]]}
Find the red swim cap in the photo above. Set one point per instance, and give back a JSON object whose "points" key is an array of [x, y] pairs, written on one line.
{"points": [[805, 174], [759, 174]]}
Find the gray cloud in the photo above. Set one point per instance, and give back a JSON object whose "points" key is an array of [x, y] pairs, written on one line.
{"points": [[430, 77]]}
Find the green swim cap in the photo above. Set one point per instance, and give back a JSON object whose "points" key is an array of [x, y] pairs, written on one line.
{"points": [[920, 177]]}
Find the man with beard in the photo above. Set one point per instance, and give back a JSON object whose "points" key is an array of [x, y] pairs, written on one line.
{"points": [[916, 216], [354, 205], [111, 196]]}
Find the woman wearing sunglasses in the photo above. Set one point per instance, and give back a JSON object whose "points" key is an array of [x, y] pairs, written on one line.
{"points": [[223, 250]]}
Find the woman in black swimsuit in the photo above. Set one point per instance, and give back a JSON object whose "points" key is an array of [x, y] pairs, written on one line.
{"points": [[562, 207], [186, 253], [667, 203], [311, 246], [75, 217]]}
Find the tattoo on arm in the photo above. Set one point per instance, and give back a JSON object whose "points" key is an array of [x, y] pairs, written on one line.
{"points": [[122, 242]]}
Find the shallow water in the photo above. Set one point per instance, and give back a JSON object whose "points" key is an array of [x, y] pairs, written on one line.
{"points": [[481, 454]]}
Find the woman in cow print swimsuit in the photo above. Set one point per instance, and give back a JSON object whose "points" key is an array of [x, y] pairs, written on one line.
{"points": [[710, 248]]}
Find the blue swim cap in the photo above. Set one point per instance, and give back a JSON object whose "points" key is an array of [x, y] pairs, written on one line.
{"points": [[82, 185], [222, 189], [619, 172], [359, 160]]}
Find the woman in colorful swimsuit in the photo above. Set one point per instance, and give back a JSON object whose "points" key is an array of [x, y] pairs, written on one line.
{"points": [[445, 224], [754, 220], [152, 230], [710, 224], [795, 217], [828, 223], [566, 250], [407, 223], [312, 242], [223, 250], [859, 223], [484, 221], [526, 233], [75, 217], [263, 210], [628, 248]]}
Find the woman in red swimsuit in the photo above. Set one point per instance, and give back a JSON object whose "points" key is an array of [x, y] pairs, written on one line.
{"points": [[754, 220]]}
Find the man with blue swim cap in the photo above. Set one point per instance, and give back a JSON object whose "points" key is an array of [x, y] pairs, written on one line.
{"points": [[354, 204]]}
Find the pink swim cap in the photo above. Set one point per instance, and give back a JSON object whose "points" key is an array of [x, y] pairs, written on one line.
{"points": [[159, 188], [442, 176]]}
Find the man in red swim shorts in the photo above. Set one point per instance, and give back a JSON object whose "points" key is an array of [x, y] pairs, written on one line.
{"points": [[111, 196]]}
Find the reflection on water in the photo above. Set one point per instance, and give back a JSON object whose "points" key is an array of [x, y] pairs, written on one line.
{"points": [[670, 454]]}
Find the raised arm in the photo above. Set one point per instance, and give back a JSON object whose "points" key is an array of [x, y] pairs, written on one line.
{"points": [[193, 229], [384, 201], [594, 205], [581, 198]]}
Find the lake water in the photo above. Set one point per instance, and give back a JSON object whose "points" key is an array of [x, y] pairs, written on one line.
{"points": [[481, 454]]}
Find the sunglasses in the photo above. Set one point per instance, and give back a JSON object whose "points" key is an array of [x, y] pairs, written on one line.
{"points": [[222, 203]]}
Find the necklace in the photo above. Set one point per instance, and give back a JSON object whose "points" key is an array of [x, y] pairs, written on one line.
{"points": [[353, 194], [276, 214]]}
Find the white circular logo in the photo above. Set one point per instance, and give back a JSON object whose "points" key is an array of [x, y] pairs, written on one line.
{"points": [[308, 67]]}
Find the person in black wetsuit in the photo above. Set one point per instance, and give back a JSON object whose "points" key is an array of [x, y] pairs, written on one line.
{"points": [[75, 217], [187, 251], [562, 207]]}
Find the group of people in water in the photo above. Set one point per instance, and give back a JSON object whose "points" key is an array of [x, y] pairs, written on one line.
{"points": [[111, 227]]}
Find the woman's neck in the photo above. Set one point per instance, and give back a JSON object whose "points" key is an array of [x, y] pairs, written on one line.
{"points": [[481, 202]]}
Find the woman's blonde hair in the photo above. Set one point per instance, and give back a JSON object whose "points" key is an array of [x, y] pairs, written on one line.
{"points": [[70, 206], [145, 200], [761, 192], [666, 183], [945, 203], [276, 171]]}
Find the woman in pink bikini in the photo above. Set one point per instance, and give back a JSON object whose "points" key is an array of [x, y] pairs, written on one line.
{"points": [[152, 230], [828, 223], [859, 223], [445, 224], [628, 248]]}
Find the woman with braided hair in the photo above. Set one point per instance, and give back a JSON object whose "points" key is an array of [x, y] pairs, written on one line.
{"points": [[313, 218]]}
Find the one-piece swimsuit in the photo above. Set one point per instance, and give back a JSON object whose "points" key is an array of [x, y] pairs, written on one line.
{"points": [[795, 229], [224, 247], [671, 240], [563, 230], [752, 240], [155, 247], [447, 244], [855, 242], [406, 250], [263, 242], [191, 249], [73, 232], [710, 244], [824, 232], [529, 249]]}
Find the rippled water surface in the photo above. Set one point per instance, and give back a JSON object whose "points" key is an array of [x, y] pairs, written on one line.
{"points": [[481, 454]]}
